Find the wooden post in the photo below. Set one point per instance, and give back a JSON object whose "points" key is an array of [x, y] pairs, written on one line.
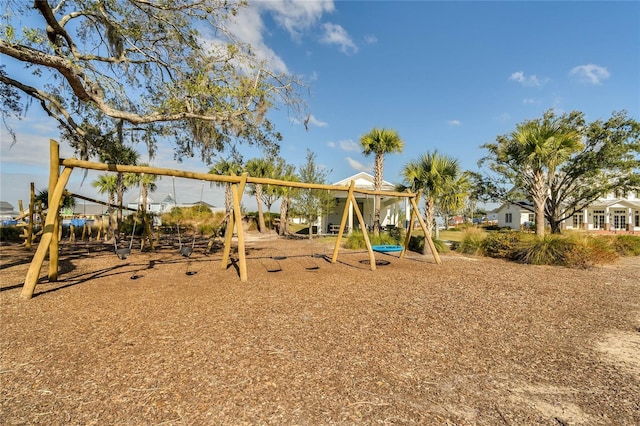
{"points": [[407, 238], [48, 233], [235, 220], [228, 236], [54, 173], [343, 222], [236, 190], [365, 234], [436, 256]]}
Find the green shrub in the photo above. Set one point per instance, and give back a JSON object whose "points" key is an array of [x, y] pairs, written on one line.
{"points": [[627, 245], [416, 244], [501, 244], [355, 241], [548, 250], [574, 251], [601, 249], [472, 241], [11, 234]]}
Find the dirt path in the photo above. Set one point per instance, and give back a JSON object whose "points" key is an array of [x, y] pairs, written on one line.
{"points": [[469, 342]]}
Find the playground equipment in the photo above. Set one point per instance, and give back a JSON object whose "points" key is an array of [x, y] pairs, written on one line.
{"points": [[58, 180]]}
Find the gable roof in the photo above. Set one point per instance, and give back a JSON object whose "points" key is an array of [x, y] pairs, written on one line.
{"points": [[364, 180], [6, 206]]}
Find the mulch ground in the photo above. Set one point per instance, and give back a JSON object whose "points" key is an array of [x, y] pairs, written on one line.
{"points": [[473, 341]]}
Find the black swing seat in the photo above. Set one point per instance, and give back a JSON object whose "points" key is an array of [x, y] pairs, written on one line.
{"points": [[186, 251], [122, 253]]}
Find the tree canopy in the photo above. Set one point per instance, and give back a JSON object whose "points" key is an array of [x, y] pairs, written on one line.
{"points": [[380, 142], [171, 68], [565, 175]]}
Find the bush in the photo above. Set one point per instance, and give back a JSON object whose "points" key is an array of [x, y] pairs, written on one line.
{"points": [[548, 250], [355, 241], [501, 244], [416, 244], [472, 241], [627, 245], [575, 251], [11, 234]]}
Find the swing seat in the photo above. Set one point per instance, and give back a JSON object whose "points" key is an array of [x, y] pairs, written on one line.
{"points": [[122, 253], [186, 251], [384, 248]]}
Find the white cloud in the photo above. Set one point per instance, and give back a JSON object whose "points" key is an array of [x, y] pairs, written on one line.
{"points": [[528, 81], [335, 34], [529, 101], [370, 39], [356, 165], [313, 120], [349, 145], [590, 73], [331, 144], [454, 122], [295, 16], [248, 27]]}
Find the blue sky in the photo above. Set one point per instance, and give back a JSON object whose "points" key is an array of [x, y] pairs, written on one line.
{"points": [[449, 76]]}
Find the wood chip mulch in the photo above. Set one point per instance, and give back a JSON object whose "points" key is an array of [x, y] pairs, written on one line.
{"points": [[473, 341]]}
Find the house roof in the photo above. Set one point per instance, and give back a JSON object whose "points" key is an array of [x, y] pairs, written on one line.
{"points": [[364, 180], [89, 209], [6, 206]]}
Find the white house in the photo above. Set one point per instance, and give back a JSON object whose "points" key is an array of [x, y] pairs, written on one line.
{"points": [[391, 208], [610, 213], [7, 211]]}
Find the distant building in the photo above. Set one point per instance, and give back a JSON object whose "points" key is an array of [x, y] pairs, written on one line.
{"points": [[394, 211], [7, 211], [609, 213]]}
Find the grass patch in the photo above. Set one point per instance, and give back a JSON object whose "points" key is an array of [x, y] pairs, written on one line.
{"points": [[627, 245], [355, 241]]}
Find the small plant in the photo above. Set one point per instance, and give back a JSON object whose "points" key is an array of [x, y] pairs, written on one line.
{"points": [[472, 241], [501, 244], [11, 234], [355, 241], [627, 245], [548, 250]]}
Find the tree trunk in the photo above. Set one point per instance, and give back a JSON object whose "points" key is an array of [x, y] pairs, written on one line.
{"points": [[555, 226], [284, 211], [429, 215], [261, 224], [120, 195], [228, 198], [539, 198], [112, 219], [377, 185]]}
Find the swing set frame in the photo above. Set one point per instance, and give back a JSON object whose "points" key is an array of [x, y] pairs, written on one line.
{"points": [[59, 179]]}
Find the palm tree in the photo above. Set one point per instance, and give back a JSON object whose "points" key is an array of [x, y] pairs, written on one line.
{"points": [[453, 198], [147, 184], [379, 142], [67, 199], [108, 183], [226, 168], [286, 194], [436, 176], [259, 168], [118, 153], [537, 148]]}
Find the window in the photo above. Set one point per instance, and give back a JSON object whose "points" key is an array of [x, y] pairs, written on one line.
{"points": [[508, 217], [637, 218], [578, 219], [532, 217]]}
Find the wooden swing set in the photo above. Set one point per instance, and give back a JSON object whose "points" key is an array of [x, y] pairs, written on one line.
{"points": [[58, 180]]}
